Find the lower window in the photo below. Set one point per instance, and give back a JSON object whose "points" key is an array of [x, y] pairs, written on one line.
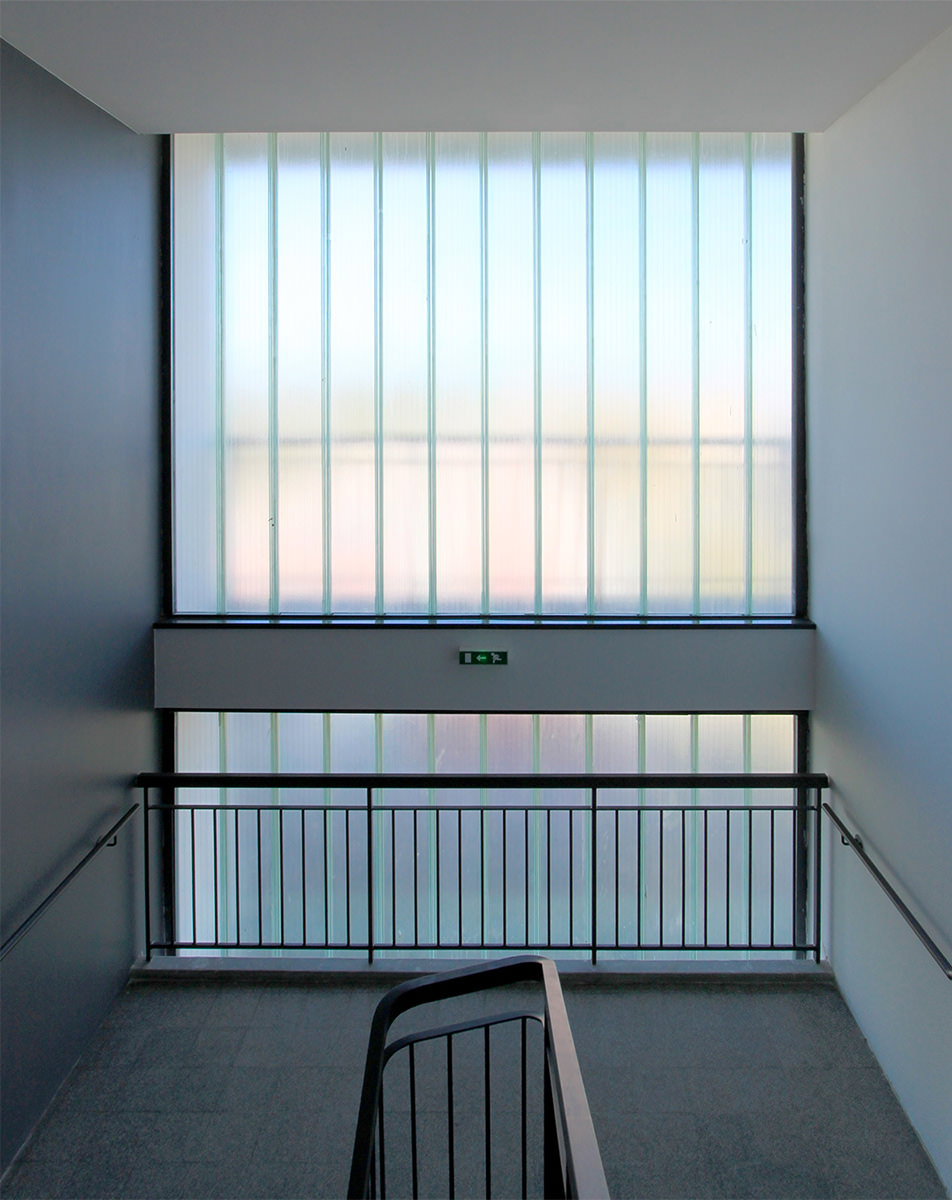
{"points": [[353, 869]]}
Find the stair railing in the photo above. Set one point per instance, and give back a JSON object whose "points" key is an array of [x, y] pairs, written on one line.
{"points": [[572, 1165]]}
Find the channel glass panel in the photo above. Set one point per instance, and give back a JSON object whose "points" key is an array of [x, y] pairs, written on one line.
{"points": [[246, 371], [615, 384], [405, 433], [355, 494], [300, 399], [670, 363], [564, 228], [196, 374], [512, 303], [723, 402], [771, 488], [458, 544]]}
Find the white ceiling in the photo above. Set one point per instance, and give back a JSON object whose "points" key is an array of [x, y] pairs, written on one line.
{"points": [[184, 65]]}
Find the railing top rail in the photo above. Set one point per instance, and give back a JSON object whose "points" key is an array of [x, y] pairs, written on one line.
{"points": [[441, 807], [856, 842], [727, 780], [582, 1159]]}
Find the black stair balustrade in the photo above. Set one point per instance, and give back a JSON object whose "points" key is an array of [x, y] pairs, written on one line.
{"points": [[498, 1107]]}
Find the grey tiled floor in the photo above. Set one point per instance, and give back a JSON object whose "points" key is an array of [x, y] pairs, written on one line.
{"points": [[696, 1090]]}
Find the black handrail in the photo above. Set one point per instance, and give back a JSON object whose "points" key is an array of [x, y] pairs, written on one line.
{"points": [[574, 1141], [856, 842], [107, 838], [198, 779]]}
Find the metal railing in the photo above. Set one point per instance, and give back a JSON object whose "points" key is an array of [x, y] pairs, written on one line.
{"points": [[537, 871], [856, 842], [107, 839], [437, 1151]]}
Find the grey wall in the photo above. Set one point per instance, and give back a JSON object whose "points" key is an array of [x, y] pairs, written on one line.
{"points": [[879, 304], [81, 385], [642, 669]]}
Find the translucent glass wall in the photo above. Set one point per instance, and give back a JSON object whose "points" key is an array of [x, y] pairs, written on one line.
{"points": [[442, 877], [483, 374]]}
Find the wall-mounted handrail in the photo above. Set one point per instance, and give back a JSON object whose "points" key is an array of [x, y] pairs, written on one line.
{"points": [[856, 843], [22, 930], [573, 1161]]}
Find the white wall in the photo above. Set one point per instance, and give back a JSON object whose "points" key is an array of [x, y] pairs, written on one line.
{"points": [[879, 347]]}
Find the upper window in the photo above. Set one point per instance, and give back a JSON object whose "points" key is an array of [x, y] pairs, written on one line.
{"points": [[498, 374]]}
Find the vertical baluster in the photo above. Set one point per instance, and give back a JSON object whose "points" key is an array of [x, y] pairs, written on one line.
{"points": [[439, 890], [459, 870], [258, 816], [571, 820], [526, 832], [383, 1160], [147, 875], [750, 877], [706, 874], [505, 882], [304, 888], [684, 879], [370, 874], [482, 878], [194, 889], [816, 874], [413, 1123], [727, 878], [639, 813], [617, 884], [237, 881], [281, 869], [347, 870], [592, 867], [327, 934], [487, 1093], [415, 817], [773, 852], [450, 1132], [524, 1116], [660, 878], [393, 873], [548, 876]]}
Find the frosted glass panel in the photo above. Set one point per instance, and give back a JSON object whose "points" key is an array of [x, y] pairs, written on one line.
{"points": [[722, 299], [670, 361], [458, 332], [483, 374], [511, 354], [563, 336], [299, 367], [771, 369], [198, 518], [246, 364], [352, 372], [404, 346], [616, 372]]}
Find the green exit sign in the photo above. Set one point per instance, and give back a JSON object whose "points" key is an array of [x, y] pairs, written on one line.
{"points": [[483, 658]]}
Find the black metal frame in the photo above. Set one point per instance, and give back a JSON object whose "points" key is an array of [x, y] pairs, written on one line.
{"points": [[586, 821], [572, 1162], [801, 564]]}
